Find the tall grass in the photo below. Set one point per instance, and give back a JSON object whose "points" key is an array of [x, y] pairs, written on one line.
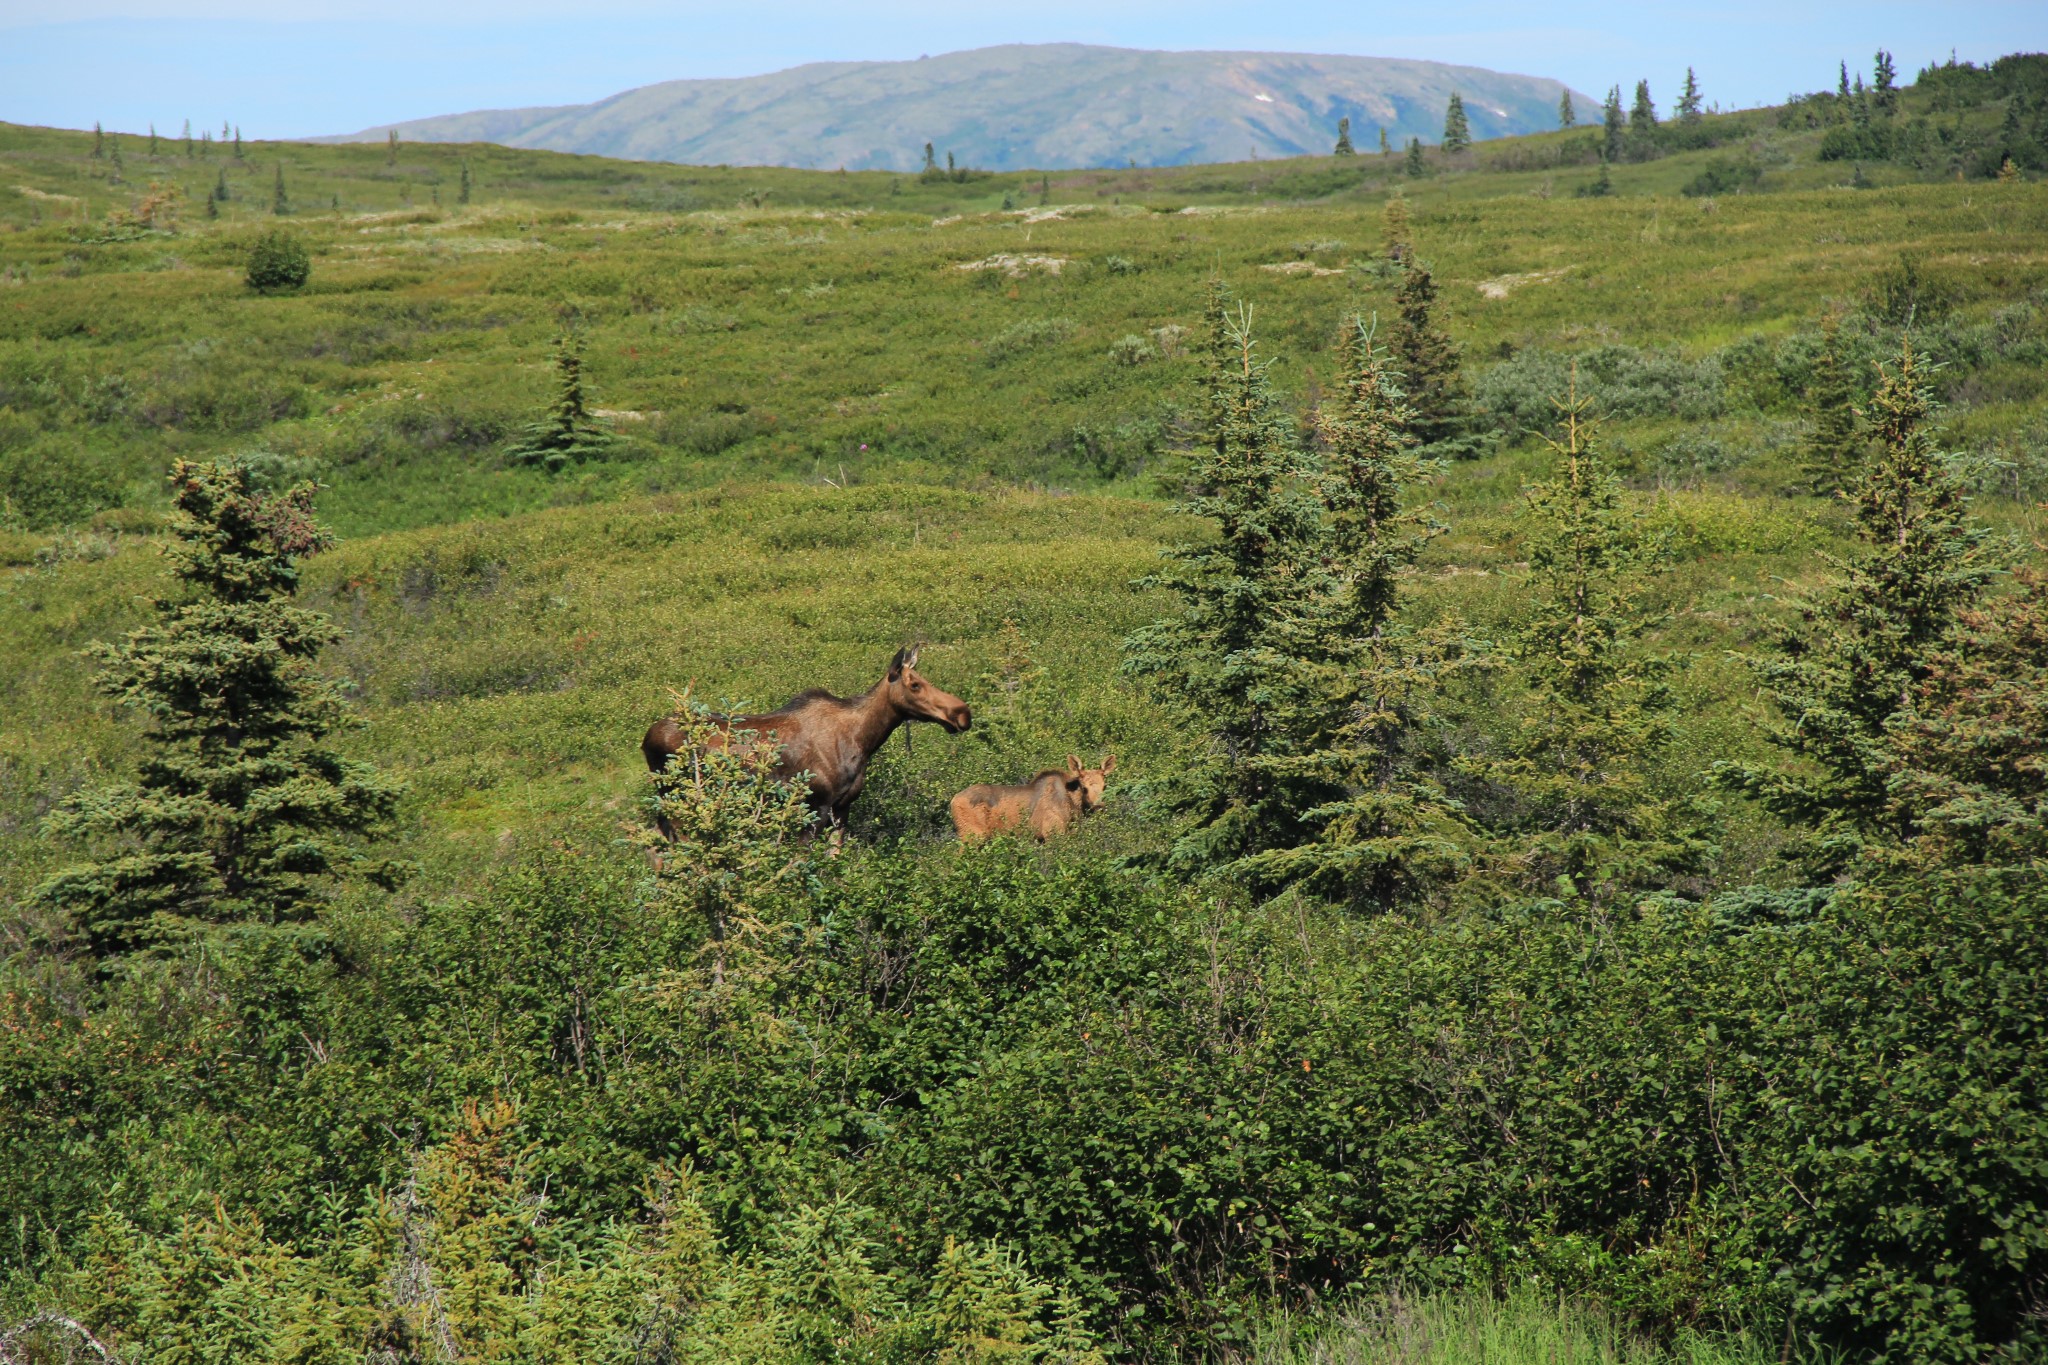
{"points": [[1523, 1327]]}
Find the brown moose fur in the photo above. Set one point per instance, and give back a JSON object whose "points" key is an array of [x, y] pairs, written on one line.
{"points": [[832, 738], [1048, 804]]}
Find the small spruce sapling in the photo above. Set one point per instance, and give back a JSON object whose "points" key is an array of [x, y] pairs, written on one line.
{"points": [[279, 204], [1832, 455], [1431, 371], [738, 851], [1567, 116], [1386, 147], [567, 435], [1417, 167], [1344, 147]]}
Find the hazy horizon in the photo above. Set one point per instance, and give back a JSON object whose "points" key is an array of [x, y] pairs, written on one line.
{"points": [[333, 68]]}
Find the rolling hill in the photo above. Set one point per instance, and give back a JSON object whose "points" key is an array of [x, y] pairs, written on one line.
{"points": [[1020, 107]]}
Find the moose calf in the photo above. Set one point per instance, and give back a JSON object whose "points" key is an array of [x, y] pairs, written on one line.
{"points": [[1048, 803]]}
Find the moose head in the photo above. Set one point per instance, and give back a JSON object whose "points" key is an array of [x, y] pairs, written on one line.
{"points": [[917, 699]]}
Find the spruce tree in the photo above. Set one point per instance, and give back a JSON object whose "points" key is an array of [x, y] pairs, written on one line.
{"points": [[238, 142], [152, 137], [1344, 147], [279, 205], [1386, 148], [1832, 455], [1566, 115], [1417, 166], [391, 148], [1970, 771], [1457, 129], [1884, 91], [1397, 235], [1221, 662], [1842, 85], [1613, 126], [567, 435], [464, 186], [240, 813], [1431, 374], [1382, 832], [1578, 814], [1689, 99], [188, 139], [99, 142], [220, 189], [1849, 673], [1642, 113], [114, 157]]}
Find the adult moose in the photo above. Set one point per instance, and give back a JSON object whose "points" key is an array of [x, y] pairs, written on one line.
{"points": [[831, 738]]}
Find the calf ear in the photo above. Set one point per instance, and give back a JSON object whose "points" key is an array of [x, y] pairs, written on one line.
{"points": [[1109, 765], [1073, 763]]}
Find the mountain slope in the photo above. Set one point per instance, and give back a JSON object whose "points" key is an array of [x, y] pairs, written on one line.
{"points": [[1019, 107]]}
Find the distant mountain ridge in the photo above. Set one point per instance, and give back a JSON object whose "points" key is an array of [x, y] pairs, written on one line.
{"points": [[1022, 106]]}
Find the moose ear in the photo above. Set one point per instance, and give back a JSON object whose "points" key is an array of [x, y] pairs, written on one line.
{"points": [[1073, 763], [1109, 765], [910, 656]]}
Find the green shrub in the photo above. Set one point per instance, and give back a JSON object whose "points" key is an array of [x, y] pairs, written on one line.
{"points": [[278, 262]]}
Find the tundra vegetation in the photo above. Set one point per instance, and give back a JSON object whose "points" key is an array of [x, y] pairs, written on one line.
{"points": [[1571, 887]]}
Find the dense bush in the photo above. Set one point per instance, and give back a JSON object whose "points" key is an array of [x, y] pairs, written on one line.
{"points": [[278, 260]]}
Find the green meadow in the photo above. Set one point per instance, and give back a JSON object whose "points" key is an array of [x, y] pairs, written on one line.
{"points": [[857, 411]]}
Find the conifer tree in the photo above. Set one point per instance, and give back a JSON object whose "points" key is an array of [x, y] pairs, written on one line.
{"points": [[238, 142], [464, 186], [1689, 99], [1884, 92], [1842, 85], [1344, 147], [1396, 234], [279, 205], [1566, 115], [1613, 126], [1386, 148], [1431, 375], [567, 435], [220, 193], [152, 137], [1221, 661], [206, 142], [188, 139], [1417, 166], [1383, 831], [114, 156], [99, 142], [1832, 454], [1970, 771], [1642, 114], [1844, 679], [1580, 816], [1457, 129], [239, 813], [391, 147]]}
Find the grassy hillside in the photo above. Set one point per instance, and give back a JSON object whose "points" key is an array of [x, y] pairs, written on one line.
{"points": [[861, 409], [1020, 106]]}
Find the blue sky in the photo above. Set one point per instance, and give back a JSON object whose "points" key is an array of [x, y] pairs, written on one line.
{"points": [[281, 68]]}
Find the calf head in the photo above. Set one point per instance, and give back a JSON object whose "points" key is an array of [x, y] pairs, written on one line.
{"points": [[1086, 783], [920, 700]]}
